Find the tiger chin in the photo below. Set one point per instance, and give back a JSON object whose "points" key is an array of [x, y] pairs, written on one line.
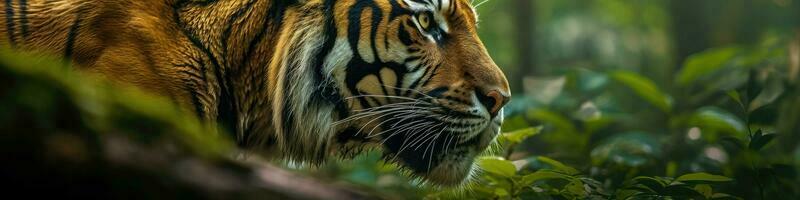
{"points": [[299, 80]]}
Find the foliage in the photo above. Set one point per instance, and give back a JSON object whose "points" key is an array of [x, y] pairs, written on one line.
{"points": [[618, 134]]}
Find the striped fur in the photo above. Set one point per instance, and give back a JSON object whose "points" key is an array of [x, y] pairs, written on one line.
{"points": [[296, 79]]}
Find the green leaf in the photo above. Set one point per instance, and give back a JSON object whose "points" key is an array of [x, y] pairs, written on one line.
{"points": [[769, 94], [554, 118], [515, 122], [520, 135], [704, 189], [650, 183], [760, 140], [576, 189], [501, 192], [631, 149], [735, 96], [645, 88], [735, 141], [543, 174], [786, 171], [682, 191], [558, 166], [705, 63], [498, 167], [724, 196], [702, 176], [718, 119], [626, 193]]}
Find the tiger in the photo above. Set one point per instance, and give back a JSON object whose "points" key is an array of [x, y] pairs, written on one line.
{"points": [[295, 80]]}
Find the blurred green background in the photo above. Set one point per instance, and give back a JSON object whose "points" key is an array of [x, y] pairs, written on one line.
{"points": [[630, 95]]}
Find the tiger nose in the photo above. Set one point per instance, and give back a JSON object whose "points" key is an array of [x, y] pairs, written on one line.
{"points": [[493, 101]]}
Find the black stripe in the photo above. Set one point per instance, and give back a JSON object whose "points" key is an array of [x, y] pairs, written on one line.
{"points": [[229, 27], [424, 74], [10, 24], [274, 17], [404, 35], [23, 18], [397, 10], [271, 24], [198, 105], [377, 15], [191, 85], [419, 1], [383, 86], [194, 91], [432, 74], [401, 2], [251, 47], [226, 106], [327, 90], [358, 68], [424, 81], [439, 91], [72, 35]]}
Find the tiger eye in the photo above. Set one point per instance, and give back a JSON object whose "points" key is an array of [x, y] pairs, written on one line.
{"points": [[424, 21]]}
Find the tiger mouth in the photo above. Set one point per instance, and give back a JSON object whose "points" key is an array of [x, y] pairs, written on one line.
{"points": [[442, 153]]}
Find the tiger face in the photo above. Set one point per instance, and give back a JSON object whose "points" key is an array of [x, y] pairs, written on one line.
{"points": [[417, 82]]}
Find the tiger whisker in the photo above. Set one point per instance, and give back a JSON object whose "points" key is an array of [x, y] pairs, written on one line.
{"points": [[403, 146], [416, 113], [410, 126], [370, 122], [420, 136], [373, 129], [431, 141], [432, 145], [384, 106], [381, 96], [412, 133], [409, 89], [428, 137], [371, 113], [404, 118], [449, 140], [481, 3], [402, 127], [381, 109]]}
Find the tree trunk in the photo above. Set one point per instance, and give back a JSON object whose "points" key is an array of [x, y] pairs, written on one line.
{"points": [[525, 20], [690, 28]]}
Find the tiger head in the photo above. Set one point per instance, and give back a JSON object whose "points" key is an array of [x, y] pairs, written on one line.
{"points": [[416, 81]]}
